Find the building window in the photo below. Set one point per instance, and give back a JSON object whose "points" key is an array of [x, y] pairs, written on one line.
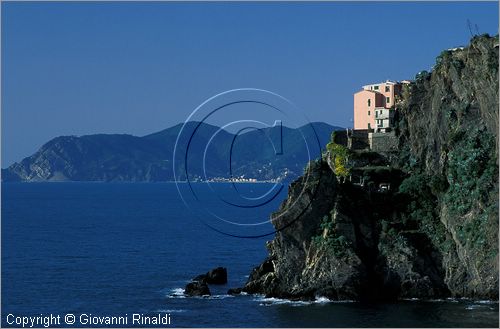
{"points": [[369, 126], [388, 99], [387, 88], [368, 112], [369, 102], [375, 87]]}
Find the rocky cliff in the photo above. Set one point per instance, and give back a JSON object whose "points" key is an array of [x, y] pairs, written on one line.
{"points": [[420, 221]]}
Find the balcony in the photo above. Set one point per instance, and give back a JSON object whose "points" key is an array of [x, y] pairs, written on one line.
{"points": [[383, 113]]}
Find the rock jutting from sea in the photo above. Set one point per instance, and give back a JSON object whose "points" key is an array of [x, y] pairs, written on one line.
{"points": [[199, 285], [434, 232]]}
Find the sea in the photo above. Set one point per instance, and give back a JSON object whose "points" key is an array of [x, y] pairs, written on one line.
{"points": [[80, 253]]}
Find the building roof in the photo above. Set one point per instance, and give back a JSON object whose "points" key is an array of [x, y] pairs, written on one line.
{"points": [[367, 90], [387, 82]]}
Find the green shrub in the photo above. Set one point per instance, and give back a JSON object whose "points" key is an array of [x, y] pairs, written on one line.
{"points": [[339, 156], [337, 243], [472, 171], [421, 76], [422, 206]]}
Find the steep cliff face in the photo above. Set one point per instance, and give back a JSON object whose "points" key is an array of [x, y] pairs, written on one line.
{"points": [[297, 267], [434, 231], [449, 139]]}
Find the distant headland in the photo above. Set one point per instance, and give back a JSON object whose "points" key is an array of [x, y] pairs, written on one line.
{"points": [[127, 158]]}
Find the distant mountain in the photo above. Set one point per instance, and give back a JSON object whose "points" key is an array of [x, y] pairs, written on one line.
{"points": [[107, 158]]}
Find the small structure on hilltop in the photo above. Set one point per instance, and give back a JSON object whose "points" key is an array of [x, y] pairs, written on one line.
{"points": [[373, 106], [374, 111]]}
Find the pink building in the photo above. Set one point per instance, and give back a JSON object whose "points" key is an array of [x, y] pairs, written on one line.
{"points": [[373, 106]]}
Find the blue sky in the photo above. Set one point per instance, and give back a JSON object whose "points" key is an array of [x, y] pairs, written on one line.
{"points": [[83, 68]]}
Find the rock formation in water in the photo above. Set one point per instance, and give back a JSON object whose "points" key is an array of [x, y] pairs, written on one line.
{"points": [[420, 221], [197, 288], [217, 275]]}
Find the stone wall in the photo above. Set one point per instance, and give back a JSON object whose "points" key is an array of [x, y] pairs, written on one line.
{"points": [[383, 142], [358, 139]]}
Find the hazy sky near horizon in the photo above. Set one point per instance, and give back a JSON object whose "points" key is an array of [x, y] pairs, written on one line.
{"points": [[84, 68]]}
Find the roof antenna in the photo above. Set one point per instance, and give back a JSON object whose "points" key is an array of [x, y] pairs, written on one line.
{"points": [[470, 28]]}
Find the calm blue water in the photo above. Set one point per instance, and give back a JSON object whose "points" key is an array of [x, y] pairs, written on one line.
{"points": [[116, 249]]}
